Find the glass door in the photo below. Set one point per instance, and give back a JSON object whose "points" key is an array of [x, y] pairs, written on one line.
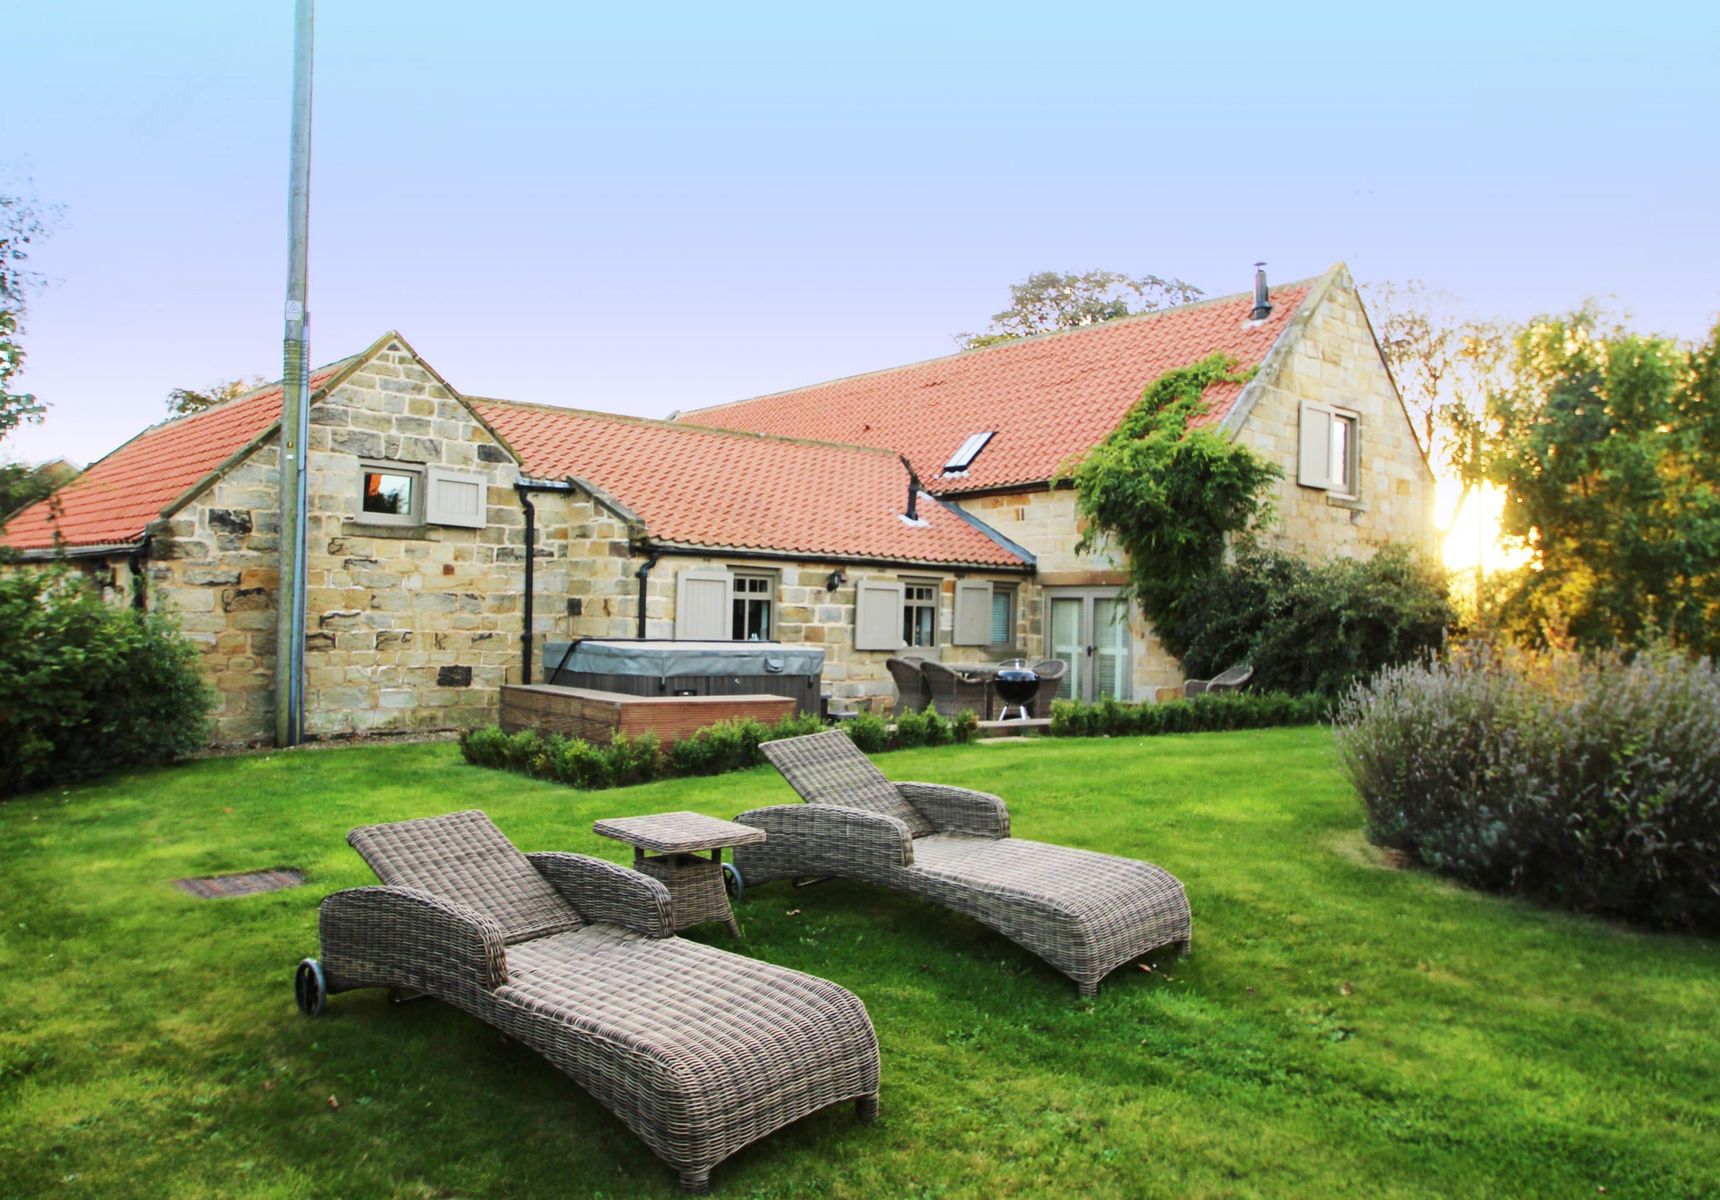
{"points": [[1089, 630], [1069, 642]]}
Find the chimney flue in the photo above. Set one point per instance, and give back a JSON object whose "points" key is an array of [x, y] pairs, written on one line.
{"points": [[1262, 304]]}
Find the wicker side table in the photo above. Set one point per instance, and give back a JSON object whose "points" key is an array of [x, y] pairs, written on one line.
{"points": [[676, 839]]}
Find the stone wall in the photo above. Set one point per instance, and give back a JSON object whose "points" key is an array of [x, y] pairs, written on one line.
{"points": [[604, 583], [408, 628], [1336, 361]]}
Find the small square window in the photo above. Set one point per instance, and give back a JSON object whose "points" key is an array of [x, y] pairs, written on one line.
{"points": [[390, 495]]}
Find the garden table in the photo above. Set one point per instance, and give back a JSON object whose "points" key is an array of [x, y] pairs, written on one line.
{"points": [[696, 885]]}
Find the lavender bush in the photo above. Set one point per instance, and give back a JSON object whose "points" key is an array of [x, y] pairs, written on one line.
{"points": [[1590, 782]]}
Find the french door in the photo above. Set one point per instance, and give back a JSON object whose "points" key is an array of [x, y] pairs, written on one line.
{"points": [[1089, 630]]}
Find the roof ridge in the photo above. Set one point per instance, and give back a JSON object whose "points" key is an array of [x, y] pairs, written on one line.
{"points": [[681, 426], [1012, 342]]}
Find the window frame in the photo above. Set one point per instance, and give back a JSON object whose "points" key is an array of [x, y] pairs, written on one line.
{"points": [[767, 597], [1012, 645], [420, 479], [1345, 484], [909, 605]]}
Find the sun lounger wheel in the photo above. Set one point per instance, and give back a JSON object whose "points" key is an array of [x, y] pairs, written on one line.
{"points": [[733, 883], [309, 989]]}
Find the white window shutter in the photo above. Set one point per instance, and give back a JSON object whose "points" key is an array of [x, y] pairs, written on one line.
{"points": [[456, 498], [1314, 446], [973, 612], [702, 604], [877, 615]]}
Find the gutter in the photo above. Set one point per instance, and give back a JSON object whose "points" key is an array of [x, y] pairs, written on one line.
{"points": [[643, 575], [688, 550], [106, 550], [524, 486]]}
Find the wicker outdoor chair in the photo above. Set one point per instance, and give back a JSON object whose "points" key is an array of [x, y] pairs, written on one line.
{"points": [[1051, 672], [1230, 681], [954, 690], [1084, 913], [912, 694], [698, 1051]]}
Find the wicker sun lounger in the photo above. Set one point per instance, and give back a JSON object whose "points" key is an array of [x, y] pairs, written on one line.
{"points": [[1084, 913], [699, 1052]]}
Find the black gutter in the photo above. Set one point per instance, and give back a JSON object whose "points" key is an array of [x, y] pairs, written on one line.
{"points": [[796, 556], [140, 582], [523, 488], [643, 574]]}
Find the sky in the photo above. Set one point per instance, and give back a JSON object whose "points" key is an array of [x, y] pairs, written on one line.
{"points": [[653, 208]]}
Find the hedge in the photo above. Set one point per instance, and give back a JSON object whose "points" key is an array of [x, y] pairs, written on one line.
{"points": [[713, 750], [1210, 713]]}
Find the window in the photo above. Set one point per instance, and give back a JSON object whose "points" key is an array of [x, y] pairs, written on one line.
{"points": [[1002, 617], [1329, 456], [919, 614], [390, 494], [966, 453], [753, 601], [1344, 454]]}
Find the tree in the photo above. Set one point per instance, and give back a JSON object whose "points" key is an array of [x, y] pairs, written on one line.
{"points": [[182, 402], [22, 485], [1607, 444], [1051, 300], [22, 224]]}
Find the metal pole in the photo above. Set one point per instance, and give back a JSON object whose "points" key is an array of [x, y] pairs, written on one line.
{"points": [[295, 403]]}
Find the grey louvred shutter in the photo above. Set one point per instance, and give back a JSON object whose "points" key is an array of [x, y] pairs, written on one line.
{"points": [[456, 498], [877, 615], [1314, 446], [702, 604], [973, 612]]}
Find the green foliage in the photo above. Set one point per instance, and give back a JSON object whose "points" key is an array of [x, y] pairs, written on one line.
{"points": [[869, 732], [22, 223], [1169, 496], [1314, 627], [86, 687], [1213, 712], [182, 402], [714, 750], [1589, 782], [22, 485], [1607, 444], [1051, 300]]}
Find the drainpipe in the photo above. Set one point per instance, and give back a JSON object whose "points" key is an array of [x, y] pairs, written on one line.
{"points": [[643, 574], [524, 487], [140, 585], [531, 562]]}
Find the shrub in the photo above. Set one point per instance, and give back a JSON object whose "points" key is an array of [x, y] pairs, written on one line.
{"points": [[868, 732], [579, 764], [86, 687], [911, 729], [965, 727], [1213, 712], [1592, 783], [1314, 627]]}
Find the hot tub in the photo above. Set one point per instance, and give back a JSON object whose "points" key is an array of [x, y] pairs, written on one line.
{"points": [[675, 668]]}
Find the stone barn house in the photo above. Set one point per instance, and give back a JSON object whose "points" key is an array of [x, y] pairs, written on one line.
{"points": [[450, 536]]}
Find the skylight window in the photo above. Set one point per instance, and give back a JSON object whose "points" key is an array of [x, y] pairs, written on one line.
{"points": [[967, 452]]}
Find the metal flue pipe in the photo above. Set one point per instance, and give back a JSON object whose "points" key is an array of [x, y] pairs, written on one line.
{"points": [[295, 402]]}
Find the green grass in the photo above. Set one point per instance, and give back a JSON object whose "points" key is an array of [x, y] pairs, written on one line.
{"points": [[1342, 1028]]}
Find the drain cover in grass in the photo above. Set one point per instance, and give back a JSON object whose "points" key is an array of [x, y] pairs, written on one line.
{"points": [[249, 883]]}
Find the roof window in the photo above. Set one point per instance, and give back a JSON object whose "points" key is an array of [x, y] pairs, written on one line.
{"points": [[967, 452]]}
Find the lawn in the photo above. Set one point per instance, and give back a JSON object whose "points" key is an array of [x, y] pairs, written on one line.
{"points": [[1342, 1029]]}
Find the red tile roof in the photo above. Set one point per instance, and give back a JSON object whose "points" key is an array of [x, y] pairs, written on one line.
{"points": [[1048, 398], [111, 502], [736, 491]]}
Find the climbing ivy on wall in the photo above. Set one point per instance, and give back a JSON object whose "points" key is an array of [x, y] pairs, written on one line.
{"points": [[1170, 496]]}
